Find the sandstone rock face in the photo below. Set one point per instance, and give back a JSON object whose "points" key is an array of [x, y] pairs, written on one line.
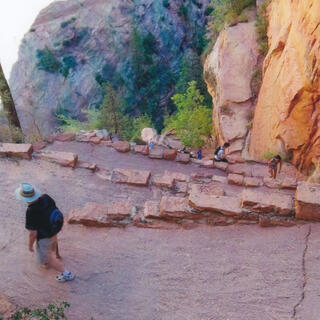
{"points": [[65, 159], [163, 180], [152, 209], [133, 177], [287, 114], [121, 146], [236, 179], [228, 71], [89, 41], [22, 151], [252, 182], [174, 207], [307, 201], [273, 202]]}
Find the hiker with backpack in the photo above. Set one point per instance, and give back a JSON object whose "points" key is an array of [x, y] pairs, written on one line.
{"points": [[220, 152], [273, 166], [44, 221]]}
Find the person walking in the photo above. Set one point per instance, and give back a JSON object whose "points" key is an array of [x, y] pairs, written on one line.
{"points": [[273, 164], [43, 220]]}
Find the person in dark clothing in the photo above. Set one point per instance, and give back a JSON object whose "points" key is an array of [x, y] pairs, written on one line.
{"points": [[273, 164], [39, 221], [220, 153]]}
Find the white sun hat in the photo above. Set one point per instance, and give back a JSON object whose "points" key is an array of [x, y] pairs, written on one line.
{"points": [[27, 192]]}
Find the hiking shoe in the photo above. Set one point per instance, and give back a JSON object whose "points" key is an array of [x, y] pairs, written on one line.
{"points": [[62, 277]]}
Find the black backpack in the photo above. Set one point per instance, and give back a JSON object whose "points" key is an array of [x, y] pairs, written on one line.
{"points": [[56, 221], [217, 150]]}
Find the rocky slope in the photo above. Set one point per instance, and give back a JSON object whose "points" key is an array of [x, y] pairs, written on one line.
{"points": [[287, 114], [74, 46]]}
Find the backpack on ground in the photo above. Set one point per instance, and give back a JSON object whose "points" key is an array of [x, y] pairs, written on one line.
{"points": [[56, 221], [217, 150]]}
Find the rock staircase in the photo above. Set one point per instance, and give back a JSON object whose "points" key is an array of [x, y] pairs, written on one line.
{"points": [[243, 194]]}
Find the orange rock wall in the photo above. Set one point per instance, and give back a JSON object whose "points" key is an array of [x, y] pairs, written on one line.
{"points": [[288, 109]]}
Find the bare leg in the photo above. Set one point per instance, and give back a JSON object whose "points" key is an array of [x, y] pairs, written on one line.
{"points": [[270, 173], [57, 251], [56, 264]]}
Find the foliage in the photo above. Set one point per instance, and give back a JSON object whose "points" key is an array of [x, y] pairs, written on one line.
{"points": [[68, 63], [77, 37], [183, 11], [166, 4], [256, 82], [197, 3], [66, 23], [47, 61], [192, 121], [262, 27], [51, 312], [225, 13]]}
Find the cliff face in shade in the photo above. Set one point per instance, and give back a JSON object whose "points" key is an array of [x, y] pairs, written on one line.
{"points": [[288, 109], [228, 72], [90, 40]]}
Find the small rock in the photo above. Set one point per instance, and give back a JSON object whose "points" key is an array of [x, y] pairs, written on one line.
{"points": [[265, 221], [121, 146], [156, 153], [252, 182], [132, 177], [65, 137], [39, 145], [21, 150], [143, 149], [183, 157], [219, 220], [220, 165], [235, 179], [87, 165], [65, 159], [169, 154], [163, 180], [219, 179]]}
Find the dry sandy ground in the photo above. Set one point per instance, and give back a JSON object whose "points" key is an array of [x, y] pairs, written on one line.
{"points": [[216, 273]]}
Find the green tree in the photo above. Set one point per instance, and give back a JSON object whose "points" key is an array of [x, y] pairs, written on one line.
{"points": [[9, 106], [192, 121]]}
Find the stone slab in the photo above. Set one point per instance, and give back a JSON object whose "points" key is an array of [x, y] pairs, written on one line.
{"points": [[18, 150], [183, 157], [235, 179], [65, 159], [163, 180], [121, 146], [169, 154], [132, 177]]}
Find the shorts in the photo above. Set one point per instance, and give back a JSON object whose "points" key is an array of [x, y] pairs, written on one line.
{"points": [[45, 247]]}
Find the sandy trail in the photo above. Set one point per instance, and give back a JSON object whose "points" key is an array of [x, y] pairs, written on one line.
{"points": [[216, 273]]}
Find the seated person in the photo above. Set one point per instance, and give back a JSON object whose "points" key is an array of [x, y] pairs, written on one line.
{"points": [[273, 166], [220, 153]]}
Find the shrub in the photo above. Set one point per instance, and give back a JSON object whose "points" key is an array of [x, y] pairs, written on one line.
{"points": [[68, 63], [51, 312], [183, 11], [262, 27], [192, 121], [166, 4], [256, 82], [66, 23], [47, 61]]}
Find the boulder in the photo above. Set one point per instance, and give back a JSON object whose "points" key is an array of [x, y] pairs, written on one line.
{"points": [[183, 157], [307, 201], [229, 206], [235, 179], [65, 159], [87, 165], [121, 146], [22, 150], [132, 177], [143, 149], [148, 134], [169, 154], [152, 209], [6, 307], [156, 153], [269, 202], [95, 140], [163, 180], [64, 137], [177, 176], [252, 182], [39, 145]]}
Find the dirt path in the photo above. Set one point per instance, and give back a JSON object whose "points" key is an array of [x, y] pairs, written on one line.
{"points": [[216, 273]]}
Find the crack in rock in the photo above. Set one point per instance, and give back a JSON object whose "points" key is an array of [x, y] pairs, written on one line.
{"points": [[304, 283]]}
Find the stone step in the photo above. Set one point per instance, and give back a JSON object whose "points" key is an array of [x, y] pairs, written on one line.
{"points": [[98, 215], [66, 159], [268, 202], [18, 150], [267, 221], [131, 177]]}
